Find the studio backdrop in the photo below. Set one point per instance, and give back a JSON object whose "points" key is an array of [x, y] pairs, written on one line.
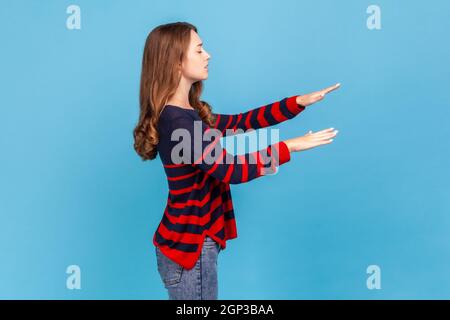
{"points": [[366, 217]]}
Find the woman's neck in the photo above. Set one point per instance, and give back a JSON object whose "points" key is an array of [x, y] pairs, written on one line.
{"points": [[181, 96]]}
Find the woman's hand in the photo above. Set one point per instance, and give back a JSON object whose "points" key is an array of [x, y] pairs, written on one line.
{"points": [[310, 98], [311, 140]]}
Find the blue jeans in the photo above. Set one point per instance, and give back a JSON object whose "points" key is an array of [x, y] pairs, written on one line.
{"points": [[198, 283]]}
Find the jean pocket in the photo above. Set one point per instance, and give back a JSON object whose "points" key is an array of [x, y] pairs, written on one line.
{"points": [[209, 242], [169, 271]]}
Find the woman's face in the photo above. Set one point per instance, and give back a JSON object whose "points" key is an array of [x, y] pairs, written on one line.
{"points": [[194, 67]]}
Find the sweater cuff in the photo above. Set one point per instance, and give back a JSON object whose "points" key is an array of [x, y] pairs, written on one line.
{"points": [[279, 154], [293, 106], [283, 152]]}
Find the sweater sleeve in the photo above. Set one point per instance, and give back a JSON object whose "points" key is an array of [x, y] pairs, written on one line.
{"points": [[264, 116], [199, 145]]}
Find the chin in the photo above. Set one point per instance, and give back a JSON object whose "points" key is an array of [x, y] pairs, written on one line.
{"points": [[201, 77]]}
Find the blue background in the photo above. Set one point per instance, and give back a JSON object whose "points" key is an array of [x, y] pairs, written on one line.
{"points": [[73, 191]]}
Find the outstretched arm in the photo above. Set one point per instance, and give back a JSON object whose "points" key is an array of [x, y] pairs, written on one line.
{"points": [[270, 114], [264, 116]]}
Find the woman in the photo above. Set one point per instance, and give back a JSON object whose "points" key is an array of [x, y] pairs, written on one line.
{"points": [[199, 216]]}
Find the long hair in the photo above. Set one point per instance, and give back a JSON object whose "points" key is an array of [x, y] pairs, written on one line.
{"points": [[165, 48]]}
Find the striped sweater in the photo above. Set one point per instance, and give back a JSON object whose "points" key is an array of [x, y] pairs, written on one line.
{"points": [[199, 200]]}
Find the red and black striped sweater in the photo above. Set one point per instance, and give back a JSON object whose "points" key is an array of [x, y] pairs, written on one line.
{"points": [[199, 201]]}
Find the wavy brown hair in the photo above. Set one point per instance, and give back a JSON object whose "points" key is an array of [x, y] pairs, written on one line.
{"points": [[164, 49]]}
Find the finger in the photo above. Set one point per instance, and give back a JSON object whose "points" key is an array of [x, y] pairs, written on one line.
{"points": [[329, 89], [325, 130], [319, 95], [325, 135], [323, 138], [327, 141]]}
